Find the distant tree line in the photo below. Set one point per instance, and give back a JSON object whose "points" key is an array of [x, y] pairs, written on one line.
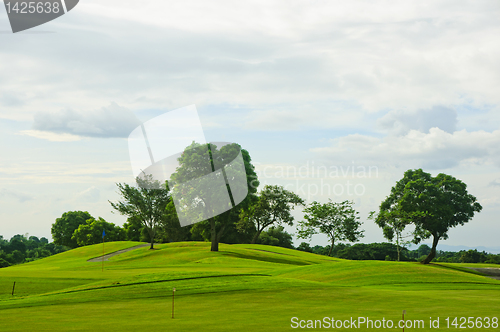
{"points": [[21, 249], [389, 252]]}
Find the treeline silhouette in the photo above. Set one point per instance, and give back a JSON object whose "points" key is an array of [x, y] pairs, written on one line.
{"points": [[388, 252], [22, 249]]}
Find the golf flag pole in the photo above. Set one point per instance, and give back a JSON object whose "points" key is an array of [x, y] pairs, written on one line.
{"points": [[173, 294], [102, 264], [404, 312]]}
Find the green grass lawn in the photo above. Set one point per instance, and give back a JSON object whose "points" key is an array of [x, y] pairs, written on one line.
{"points": [[241, 287]]}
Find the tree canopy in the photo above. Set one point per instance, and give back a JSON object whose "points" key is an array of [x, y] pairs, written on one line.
{"points": [[147, 202], [62, 230], [432, 204], [208, 189], [273, 207], [91, 232], [339, 221]]}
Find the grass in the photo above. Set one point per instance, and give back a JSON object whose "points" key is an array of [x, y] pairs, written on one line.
{"points": [[241, 287]]}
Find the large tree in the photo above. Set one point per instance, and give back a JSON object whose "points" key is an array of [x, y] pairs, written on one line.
{"points": [[206, 175], [339, 221], [273, 207], [147, 202], [62, 230], [432, 204], [91, 232]]}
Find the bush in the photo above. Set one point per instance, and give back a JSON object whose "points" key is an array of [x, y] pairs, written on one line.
{"points": [[276, 236], [4, 263], [304, 246]]}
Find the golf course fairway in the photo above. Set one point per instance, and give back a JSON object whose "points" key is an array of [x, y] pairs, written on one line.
{"points": [[242, 287]]}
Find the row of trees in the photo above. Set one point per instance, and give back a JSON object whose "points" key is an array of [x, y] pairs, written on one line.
{"points": [[432, 205], [390, 252], [78, 228], [21, 249], [150, 204]]}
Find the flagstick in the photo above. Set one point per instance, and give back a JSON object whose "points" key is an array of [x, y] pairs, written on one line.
{"points": [[173, 292], [102, 265]]}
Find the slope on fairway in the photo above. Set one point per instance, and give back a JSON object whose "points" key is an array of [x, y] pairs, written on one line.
{"points": [[229, 289]]}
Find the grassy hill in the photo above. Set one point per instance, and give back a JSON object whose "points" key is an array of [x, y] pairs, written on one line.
{"points": [[241, 287]]}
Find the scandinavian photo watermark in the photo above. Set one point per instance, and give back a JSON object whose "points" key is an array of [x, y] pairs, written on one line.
{"points": [[311, 179]]}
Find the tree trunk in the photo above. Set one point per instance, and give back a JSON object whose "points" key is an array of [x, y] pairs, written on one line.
{"points": [[220, 233], [331, 248], [255, 237], [397, 245], [432, 254], [151, 238], [213, 233]]}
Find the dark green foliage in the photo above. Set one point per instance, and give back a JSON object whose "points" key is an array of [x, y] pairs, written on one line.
{"points": [[276, 236], [388, 251], [473, 256], [64, 227], [193, 166], [304, 246], [423, 250], [432, 204], [91, 232], [16, 243], [170, 229], [147, 202], [272, 207], [133, 228], [372, 251], [21, 249], [339, 221], [4, 263]]}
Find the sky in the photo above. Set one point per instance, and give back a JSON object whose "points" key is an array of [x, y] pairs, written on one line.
{"points": [[332, 99]]}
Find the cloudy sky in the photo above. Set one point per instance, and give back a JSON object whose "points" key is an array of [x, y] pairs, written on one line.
{"points": [[332, 99]]}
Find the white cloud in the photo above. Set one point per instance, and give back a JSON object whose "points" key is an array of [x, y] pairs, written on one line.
{"points": [[91, 194], [495, 183], [110, 121], [490, 201], [434, 150], [16, 195], [401, 122], [49, 136], [379, 55]]}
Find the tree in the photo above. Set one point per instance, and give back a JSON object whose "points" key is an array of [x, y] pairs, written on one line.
{"points": [[276, 236], [201, 182], [393, 225], [432, 204], [304, 246], [273, 207], [339, 221], [17, 243], [423, 250], [91, 232], [171, 230], [472, 256], [371, 251], [62, 230], [147, 202], [4, 263]]}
